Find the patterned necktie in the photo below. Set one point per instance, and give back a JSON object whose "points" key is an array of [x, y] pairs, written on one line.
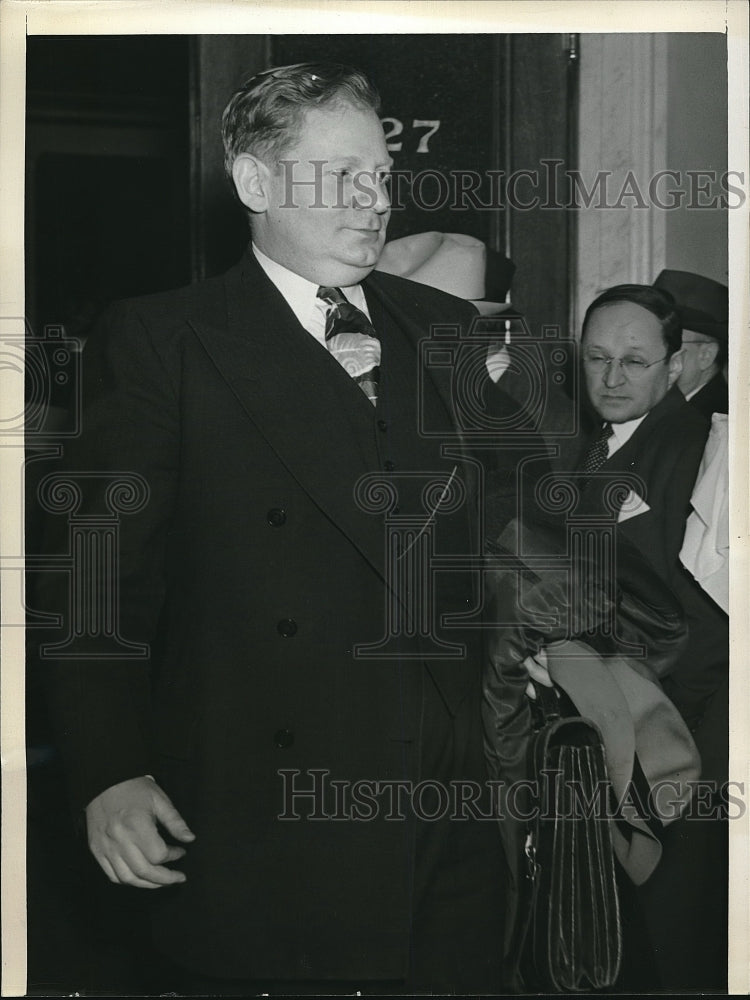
{"points": [[598, 451], [351, 339]]}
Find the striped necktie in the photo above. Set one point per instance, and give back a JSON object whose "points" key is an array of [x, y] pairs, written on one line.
{"points": [[351, 339]]}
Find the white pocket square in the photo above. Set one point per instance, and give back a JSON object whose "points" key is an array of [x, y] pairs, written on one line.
{"points": [[633, 505]]}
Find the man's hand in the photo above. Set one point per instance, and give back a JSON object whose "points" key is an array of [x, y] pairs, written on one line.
{"points": [[124, 838], [536, 667]]}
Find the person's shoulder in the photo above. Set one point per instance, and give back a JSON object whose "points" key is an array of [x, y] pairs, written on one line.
{"points": [[416, 295], [674, 412], [174, 304], [713, 397], [675, 428]]}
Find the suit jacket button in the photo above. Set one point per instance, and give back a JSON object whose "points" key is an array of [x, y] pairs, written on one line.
{"points": [[382, 425], [276, 517], [283, 738], [287, 627], [389, 466]]}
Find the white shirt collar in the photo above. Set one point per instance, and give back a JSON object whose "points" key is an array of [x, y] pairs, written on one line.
{"points": [[302, 295], [623, 432], [697, 389]]}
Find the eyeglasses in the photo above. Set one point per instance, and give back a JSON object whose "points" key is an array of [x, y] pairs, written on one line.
{"points": [[631, 368]]}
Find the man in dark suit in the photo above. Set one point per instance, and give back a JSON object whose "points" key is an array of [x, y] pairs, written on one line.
{"points": [[649, 434], [632, 359], [704, 309], [270, 420], [651, 437]]}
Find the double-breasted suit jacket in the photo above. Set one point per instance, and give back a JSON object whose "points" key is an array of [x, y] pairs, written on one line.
{"points": [[251, 573]]}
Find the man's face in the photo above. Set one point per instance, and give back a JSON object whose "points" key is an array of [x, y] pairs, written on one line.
{"points": [[698, 360], [327, 205], [624, 331]]}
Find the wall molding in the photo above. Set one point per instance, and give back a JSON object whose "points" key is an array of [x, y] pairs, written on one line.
{"points": [[622, 128]]}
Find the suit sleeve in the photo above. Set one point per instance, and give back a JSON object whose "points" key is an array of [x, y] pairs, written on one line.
{"points": [[122, 468]]}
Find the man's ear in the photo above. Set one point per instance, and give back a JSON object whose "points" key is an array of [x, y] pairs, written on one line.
{"points": [[250, 176], [675, 367], [707, 354]]}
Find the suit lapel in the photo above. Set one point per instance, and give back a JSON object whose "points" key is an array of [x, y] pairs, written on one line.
{"points": [[405, 317], [289, 386], [627, 457], [408, 315]]}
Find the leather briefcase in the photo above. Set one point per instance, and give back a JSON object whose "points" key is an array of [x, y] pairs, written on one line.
{"points": [[569, 932]]}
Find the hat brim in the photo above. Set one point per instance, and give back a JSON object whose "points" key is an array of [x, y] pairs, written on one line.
{"points": [[496, 309], [692, 319]]}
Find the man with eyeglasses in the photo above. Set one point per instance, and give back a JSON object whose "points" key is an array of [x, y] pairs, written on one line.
{"points": [[648, 435], [704, 308], [632, 358]]}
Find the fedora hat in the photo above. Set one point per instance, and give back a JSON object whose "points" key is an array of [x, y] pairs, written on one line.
{"points": [[702, 302], [454, 263], [636, 720]]}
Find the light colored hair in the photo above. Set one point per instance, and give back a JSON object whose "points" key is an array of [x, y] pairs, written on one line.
{"points": [[264, 117]]}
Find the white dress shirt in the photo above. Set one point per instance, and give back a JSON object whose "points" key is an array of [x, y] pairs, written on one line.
{"points": [[302, 295]]}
